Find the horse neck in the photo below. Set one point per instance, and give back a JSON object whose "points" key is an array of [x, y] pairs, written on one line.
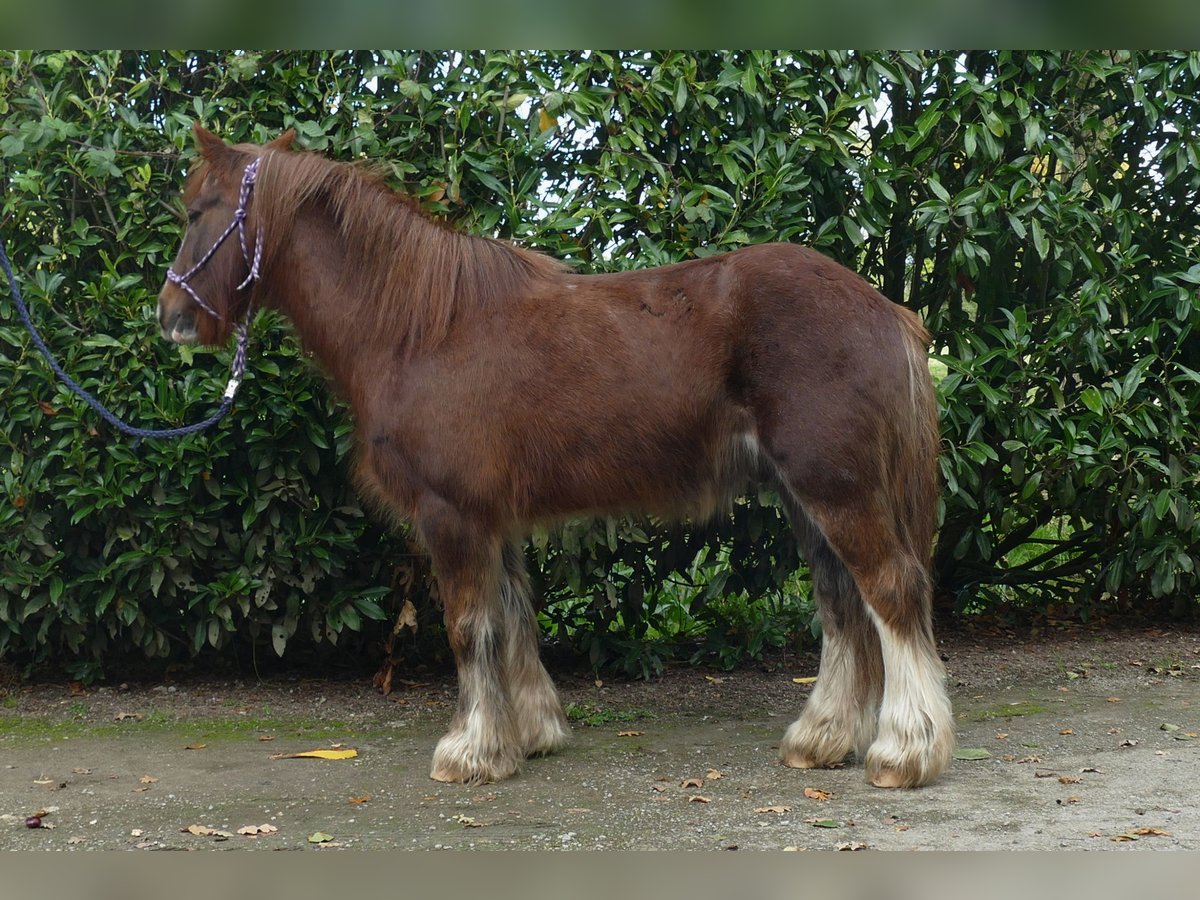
{"points": [[310, 279]]}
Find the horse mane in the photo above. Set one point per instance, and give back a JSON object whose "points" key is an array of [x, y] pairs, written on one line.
{"points": [[416, 273]]}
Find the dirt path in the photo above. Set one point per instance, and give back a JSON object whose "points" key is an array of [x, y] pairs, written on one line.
{"points": [[1089, 739]]}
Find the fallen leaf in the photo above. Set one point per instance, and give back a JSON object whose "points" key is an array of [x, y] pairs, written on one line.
{"points": [[713, 679], [319, 837], [692, 783], [1070, 800], [1069, 779], [849, 845], [407, 618], [972, 753], [1067, 731], [318, 754], [147, 779], [358, 801], [266, 737], [1142, 832], [137, 832], [658, 788], [122, 716], [1167, 726], [1044, 773], [468, 821], [1128, 742], [1029, 759], [816, 794], [81, 771], [1113, 699], [43, 781], [139, 790], [1001, 735], [824, 823], [811, 679], [630, 733], [713, 774], [698, 799], [75, 840], [257, 829], [205, 831], [1086, 769], [778, 809], [195, 746]]}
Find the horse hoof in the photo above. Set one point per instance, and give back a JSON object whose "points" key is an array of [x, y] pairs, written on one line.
{"points": [[890, 778], [912, 770]]}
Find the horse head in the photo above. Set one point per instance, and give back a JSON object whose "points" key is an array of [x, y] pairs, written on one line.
{"points": [[208, 286]]}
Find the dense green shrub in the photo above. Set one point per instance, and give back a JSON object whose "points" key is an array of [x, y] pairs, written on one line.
{"points": [[1038, 209]]}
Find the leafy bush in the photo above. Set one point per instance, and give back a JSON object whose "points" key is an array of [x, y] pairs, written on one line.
{"points": [[1039, 209]]}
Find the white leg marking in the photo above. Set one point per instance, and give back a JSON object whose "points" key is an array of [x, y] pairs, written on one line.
{"points": [[481, 745], [541, 724], [916, 726], [834, 721]]}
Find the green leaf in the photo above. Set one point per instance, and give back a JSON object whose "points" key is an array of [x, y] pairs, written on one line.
{"points": [[1092, 399], [972, 753], [1040, 242]]}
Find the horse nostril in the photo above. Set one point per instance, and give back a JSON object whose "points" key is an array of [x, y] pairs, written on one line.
{"points": [[179, 327]]}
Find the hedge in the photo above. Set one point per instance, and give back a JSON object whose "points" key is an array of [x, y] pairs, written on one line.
{"points": [[1038, 209]]}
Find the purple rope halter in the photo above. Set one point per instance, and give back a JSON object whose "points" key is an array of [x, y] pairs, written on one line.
{"points": [[237, 369], [238, 224]]}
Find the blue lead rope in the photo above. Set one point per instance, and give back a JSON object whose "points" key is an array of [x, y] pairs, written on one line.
{"points": [[106, 414]]}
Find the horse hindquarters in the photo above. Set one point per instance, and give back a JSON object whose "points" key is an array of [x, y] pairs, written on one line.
{"points": [[846, 414]]}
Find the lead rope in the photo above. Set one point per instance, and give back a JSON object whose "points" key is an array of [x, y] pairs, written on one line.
{"points": [[238, 366]]}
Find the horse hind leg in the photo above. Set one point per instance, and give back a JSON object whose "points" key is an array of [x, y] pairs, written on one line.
{"points": [[840, 715], [916, 727], [915, 734], [541, 724]]}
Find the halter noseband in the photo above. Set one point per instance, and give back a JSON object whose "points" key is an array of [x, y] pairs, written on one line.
{"points": [[238, 223]]}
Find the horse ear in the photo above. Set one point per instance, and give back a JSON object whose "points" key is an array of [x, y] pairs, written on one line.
{"points": [[209, 145], [284, 141]]}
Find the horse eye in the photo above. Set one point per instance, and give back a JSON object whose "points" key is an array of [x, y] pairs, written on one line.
{"points": [[193, 215]]}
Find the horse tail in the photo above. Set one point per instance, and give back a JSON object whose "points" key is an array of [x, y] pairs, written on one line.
{"points": [[917, 439]]}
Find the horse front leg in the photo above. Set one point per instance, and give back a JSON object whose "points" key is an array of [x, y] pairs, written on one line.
{"points": [[541, 723], [483, 743]]}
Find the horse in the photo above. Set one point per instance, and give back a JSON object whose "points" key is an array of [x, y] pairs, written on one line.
{"points": [[494, 389]]}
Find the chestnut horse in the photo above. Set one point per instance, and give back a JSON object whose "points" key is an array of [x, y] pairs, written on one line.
{"points": [[492, 389]]}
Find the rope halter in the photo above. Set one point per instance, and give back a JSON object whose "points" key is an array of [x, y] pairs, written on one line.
{"points": [[238, 224]]}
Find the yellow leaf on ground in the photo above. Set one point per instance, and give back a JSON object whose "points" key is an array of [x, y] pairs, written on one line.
{"points": [[812, 679], [253, 830], [780, 808], [816, 794], [318, 754]]}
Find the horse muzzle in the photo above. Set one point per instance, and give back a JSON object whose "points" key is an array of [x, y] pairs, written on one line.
{"points": [[177, 325]]}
